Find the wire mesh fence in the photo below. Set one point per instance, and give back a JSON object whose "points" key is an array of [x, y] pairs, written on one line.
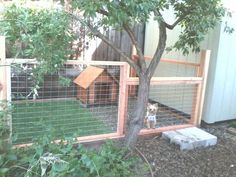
{"points": [[176, 103], [84, 99], [90, 99], [81, 99]]}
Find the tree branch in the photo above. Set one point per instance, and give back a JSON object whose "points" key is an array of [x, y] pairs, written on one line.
{"points": [[159, 50], [141, 60], [175, 23], [157, 13], [108, 42], [138, 48], [103, 12]]}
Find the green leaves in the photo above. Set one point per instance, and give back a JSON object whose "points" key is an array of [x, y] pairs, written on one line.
{"points": [[8, 158], [63, 81], [197, 18], [42, 34], [115, 13], [65, 158], [3, 171], [109, 161], [36, 33]]}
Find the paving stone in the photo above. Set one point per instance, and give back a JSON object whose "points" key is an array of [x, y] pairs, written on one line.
{"points": [[190, 138]]}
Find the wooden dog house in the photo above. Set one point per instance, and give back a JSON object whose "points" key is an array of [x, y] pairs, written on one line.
{"points": [[96, 86]]}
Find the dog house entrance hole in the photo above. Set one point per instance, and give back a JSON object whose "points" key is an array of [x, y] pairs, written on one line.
{"points": [[102, 92]]}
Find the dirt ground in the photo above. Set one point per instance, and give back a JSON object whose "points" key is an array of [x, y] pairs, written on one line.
{"points": [[166, 160]]}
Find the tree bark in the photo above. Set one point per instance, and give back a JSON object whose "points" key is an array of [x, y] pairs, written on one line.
{"points": [[137, 121]]}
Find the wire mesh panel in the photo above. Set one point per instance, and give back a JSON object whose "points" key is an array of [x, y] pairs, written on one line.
{"points": [[78, 99], [166, 69], [176, 103]]}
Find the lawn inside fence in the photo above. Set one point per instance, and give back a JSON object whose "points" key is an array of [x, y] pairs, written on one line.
{"points": [[33, 119]]}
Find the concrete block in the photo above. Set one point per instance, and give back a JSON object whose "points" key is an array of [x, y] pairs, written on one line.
{"points": [[190, 138]]}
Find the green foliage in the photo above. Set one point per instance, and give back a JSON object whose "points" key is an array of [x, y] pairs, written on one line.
{"points": [[7, 156], [65, 82], [8, 159], [119, 11], [228, 29], [5, 110], [65, 158], [198, 18], [43, 34], [195, 17], [46, 158]]}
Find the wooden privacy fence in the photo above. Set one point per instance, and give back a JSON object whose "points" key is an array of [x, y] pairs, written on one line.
{"points": [[98, 101]]}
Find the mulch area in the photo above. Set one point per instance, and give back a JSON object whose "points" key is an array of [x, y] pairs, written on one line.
{"points": [[166, 160]]}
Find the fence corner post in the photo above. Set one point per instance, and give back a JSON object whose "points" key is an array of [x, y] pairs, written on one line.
{"points": [[201, 89]]}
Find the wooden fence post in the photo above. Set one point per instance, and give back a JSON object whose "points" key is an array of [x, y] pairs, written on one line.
{"points": [[201, 88], [3, 92], [132, 73], [5, 86], [123, 99]]}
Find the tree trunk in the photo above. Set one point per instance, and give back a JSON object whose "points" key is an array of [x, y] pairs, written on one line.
{"points": [[137, 121]]}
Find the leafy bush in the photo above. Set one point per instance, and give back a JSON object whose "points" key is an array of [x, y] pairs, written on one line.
{"points": [[64, 160], [43, 34], [5, 110], [7, 155], [67, 159], [8, 158]]}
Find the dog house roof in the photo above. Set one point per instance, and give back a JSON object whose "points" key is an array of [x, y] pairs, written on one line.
{"points": [[87, 76]]}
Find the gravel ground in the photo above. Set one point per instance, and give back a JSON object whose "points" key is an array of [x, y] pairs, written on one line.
{"points": [[166, 160]]}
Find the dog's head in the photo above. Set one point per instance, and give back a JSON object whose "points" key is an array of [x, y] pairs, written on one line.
{"points": [[152, 108]]}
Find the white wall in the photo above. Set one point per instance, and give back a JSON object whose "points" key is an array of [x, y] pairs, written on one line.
{"points": [[220, 103]]}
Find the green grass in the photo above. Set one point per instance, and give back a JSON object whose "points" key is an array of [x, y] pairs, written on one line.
{"points": [[31, 120]]}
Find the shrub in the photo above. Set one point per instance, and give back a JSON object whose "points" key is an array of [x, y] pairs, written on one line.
{"points": [[8, 157], [67, 159], [64, 160], [44, 34]]}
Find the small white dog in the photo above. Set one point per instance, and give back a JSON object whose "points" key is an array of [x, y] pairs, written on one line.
{"points": [[151, 116]]}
